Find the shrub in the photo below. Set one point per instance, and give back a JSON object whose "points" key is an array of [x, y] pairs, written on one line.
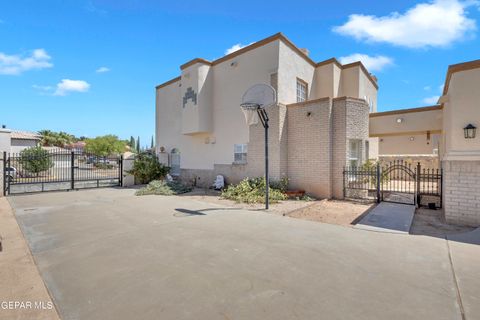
{"points": [[35, 160], [162, 187], [252, 190], [146, 168]]}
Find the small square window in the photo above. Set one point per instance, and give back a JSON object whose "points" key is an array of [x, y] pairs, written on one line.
{"points": [[240, 153], [302, 90]]}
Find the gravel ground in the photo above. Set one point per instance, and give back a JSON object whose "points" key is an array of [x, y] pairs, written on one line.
{"points": [[344, 213], [432, 223], [212, 196]]}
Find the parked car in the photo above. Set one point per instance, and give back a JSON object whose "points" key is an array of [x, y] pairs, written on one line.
{"points": [[11, 173]]}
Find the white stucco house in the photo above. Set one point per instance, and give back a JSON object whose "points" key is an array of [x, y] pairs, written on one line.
{"points": [[14, 141], [319, 125]]}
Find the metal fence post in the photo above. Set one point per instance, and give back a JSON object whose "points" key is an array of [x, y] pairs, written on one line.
{"points": [[4, 173], [72, 170], [417, 187], [378, 182], [121, 171]]}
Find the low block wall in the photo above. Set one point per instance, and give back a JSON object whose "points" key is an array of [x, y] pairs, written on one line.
{"points": [[462, 192], [205, 178], [426, 161]]}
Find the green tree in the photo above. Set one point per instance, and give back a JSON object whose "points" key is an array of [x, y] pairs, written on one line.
{"points": [[132, 143], [138, 144], [35, 160], [152, 145], [56, 139], [105, 145]]}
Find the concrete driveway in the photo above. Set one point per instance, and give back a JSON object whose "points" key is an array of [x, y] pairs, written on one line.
{"points": [[106, 254]]}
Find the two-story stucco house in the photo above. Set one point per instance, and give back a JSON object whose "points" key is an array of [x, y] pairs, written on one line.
{"points": [[319, 125]]}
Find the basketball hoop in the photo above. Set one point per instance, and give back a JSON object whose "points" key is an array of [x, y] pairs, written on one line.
{"points": [[251, 114]]}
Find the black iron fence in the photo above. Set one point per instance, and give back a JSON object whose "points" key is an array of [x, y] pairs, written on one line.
{"points": [[396, 181], [48, 170]]}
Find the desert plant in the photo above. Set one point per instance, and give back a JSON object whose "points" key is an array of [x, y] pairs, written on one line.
{"points": [[35, 160], [252, 190], [146, 168], [162, 187]]}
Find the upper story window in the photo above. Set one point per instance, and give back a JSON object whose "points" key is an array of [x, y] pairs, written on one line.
{"points": [[240, 153], [302, 90]]}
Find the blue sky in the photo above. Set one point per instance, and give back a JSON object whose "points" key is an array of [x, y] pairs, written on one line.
{"points": [[90, 67]]}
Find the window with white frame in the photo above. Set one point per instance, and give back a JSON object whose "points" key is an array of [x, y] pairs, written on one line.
{"points": [[354, 152], [302, 90], [240, 153]]}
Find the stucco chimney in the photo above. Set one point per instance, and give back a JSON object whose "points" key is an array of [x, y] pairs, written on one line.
{"points": [[305, 51]]}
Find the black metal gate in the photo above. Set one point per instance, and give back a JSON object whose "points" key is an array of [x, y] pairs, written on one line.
{"points": [[397, 181], [55, 170]]}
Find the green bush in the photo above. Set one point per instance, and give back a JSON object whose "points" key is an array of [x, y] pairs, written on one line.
{"points": [[146, 168], [162, 187], [35, 160], [252, 190], [103, 166]]}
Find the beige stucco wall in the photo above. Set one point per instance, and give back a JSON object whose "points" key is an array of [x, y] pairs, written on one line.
{"points": [[412, 122], [291, 66], [461, 107], [228, 127], [5, 136], [403, 144]]}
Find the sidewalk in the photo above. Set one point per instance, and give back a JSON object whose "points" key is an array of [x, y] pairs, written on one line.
{"points": [[22, 292]]}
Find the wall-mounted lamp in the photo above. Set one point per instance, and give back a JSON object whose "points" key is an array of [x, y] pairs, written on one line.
{"points": [[399, 120], [309, 113], [470, 131], [412, 138]]}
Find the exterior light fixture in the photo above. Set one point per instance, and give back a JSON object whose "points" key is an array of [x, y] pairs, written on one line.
{"points": [[399, 120], [470, 131]]}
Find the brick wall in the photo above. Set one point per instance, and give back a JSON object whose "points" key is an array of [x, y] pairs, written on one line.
{"points": [[277, 145], [309, 147], [350, 121], [462, 192]]}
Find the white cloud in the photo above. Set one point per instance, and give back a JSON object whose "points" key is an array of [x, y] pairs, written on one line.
{"points": [[236, 47], [433, 24], [431, 100], [16, 64], [372, 63], [66, 85], [102, 70], [427, 88]]}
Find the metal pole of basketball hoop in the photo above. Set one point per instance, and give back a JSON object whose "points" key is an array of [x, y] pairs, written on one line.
{"points": [[256, 99], [262, 114]]}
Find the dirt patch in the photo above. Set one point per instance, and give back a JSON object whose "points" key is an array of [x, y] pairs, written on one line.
{"points": [[212, 196], [344, 213], [432, 223], [19, 277]]}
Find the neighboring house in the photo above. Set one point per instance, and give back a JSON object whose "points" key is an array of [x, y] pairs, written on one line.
{"points": [[14, 141], [319, 125], [78, 146], [441, 129], [24, 139]]}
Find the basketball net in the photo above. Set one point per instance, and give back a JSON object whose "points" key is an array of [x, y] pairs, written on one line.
{"points": [[251, 116]]}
